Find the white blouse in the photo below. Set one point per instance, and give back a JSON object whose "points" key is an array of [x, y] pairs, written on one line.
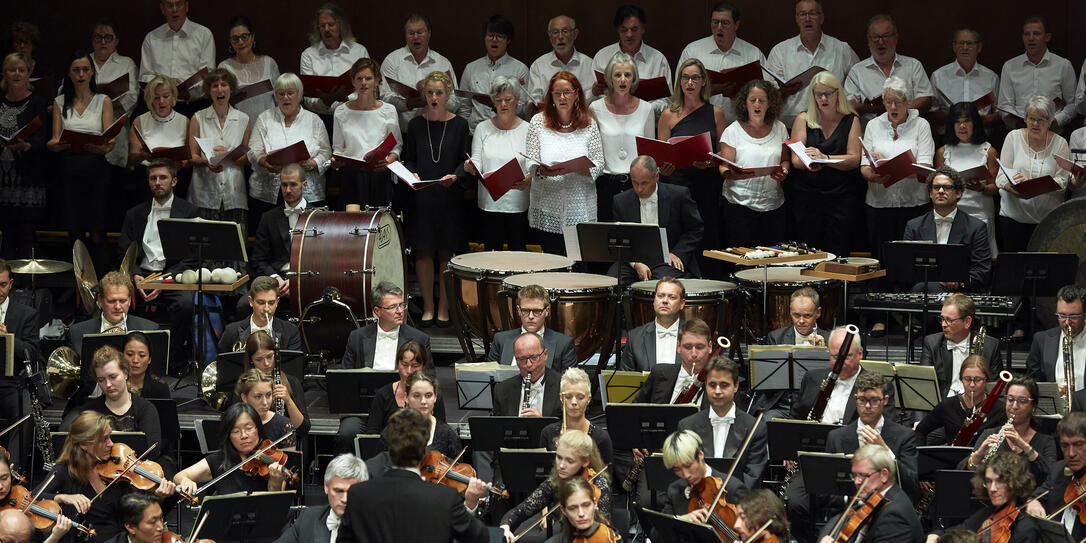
{"points": [[619, 132], [757, 193], [1018, 157], [563, 200], [356, 132], [169, 131], [116, 66], [1078, 141], [491, 148], [89, 121], [225, 189], [270, 133], [915, 135], [247, 74]]}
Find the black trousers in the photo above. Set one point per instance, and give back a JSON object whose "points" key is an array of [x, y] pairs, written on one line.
{"points": [[824, 221], [742, 226], [607, 186], [499, 229]]}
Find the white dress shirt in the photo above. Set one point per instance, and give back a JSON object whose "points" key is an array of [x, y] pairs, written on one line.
{"points": [[667, 340], [839, 398], [320, 60], [650, 209], [959, 351], [964, 156], [265, 68], [619, 134], [742, 52], [790, 58], [269, 133], [650, 63], [479, 75], [1053, 77], [357, 132], [1018, 157], [116, 66], [1080, 90], [401, 66], [1078, 350], [492, 148], [154, 258], [721, 427], [757, 193], [268, 328], [682, 382], [106, 326], [4, 310], [915, 135], [178, 54], [800, 338], [866, 79], [878, 429], [1077, 141], [225, 189], [384, 352], [332, 523], [544, 67], [959, 86], [293, 213], [943, 224]]}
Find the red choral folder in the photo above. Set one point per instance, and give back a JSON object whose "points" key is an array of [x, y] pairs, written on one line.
{"points": [[974, 174], [896, 168], [649, 89], [295, 152], [314, 85], [728, 81], [1031, 188], [1067, 164], [405, 175], [231, 156], [501, 181], [179, 153], [256, 89], [80, 140], [802, 79], [370, 160], [680, 151], [25, 132], [116, 88], [580, 163]]}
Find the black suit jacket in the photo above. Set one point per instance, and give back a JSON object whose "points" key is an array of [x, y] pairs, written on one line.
{"points": [[966, 230], [402, 507], [309, 527], [659, 385], [135, 222], [1041, 362], [639, 353], [901, 440], [271, 250], [677, 212], [285, 332], [94, 324], [1078, 400], [506, 395], [812, 385], [936, 354], [756, 458], [896, 522], [787, 336], [22, 321], [362, 344], [1057, 482], [560, 351]]}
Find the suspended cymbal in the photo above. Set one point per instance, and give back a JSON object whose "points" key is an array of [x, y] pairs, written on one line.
{"points": [[85, 277], [1061, 231], [38, 266], [129, 260]]}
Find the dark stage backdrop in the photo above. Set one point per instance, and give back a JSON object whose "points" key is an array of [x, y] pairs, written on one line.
{"points": [[282, 26]]}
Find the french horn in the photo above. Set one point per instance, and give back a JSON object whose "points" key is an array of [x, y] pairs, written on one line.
{"points": [[63, 372], [215, 399]]}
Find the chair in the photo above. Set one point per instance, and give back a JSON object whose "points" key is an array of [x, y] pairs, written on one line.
{"points": [[204, 428]]}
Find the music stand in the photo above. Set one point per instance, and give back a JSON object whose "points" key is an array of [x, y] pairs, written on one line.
{"points": [[623, 386], [921, 261], [826, 473], [1039, 273], [782, 367], [200, 240], [243, 516], [523, 469], [495, 433], [932, 458], [954, 498], [351, 391], [168, 423], [787, 437], [672, 529], [7, 348], [475, 381], [1049, 400], [644, 425], [91, 343], [367, 446], [1052, 531], [232, 365], [915, 386]]}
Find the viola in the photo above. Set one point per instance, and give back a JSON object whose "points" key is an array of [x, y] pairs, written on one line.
{"points": [[260, 465], [170, 537], [707, 495], [437, 468], [43, 514], [142, 474], [691, 391], [602, 534], [1073, 495], [998, 524], [590, 475], [860, 516]]}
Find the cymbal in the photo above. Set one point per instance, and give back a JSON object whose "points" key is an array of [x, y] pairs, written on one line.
{"points": [[85, 277], [1061, 231], [38, 266], [129, 260]]}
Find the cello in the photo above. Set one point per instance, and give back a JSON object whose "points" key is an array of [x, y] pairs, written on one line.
{"points": [[708, 493]]}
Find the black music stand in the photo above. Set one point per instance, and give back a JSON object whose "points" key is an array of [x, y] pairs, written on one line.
{"points": [[787, 437], [1040, 274], [523, 470], [954, 499], [911, 262], [91, 343], [352, 391], [658, 477], [367, 446], [672, 529], [199, 241], [827, 473], [160, 350], [1052, 531], [932, 458], [244, 516], [782, 367], [495, 433], [643, 425], [232, 365]]}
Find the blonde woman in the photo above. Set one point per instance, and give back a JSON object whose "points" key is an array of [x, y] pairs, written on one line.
{"points": [[576, 394]]}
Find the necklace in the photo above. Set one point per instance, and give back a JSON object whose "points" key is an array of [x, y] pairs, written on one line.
{"points": [[566, 126], [439, 143]]}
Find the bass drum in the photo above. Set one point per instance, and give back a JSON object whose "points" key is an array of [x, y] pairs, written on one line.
{"points": [[781, 283], [706, 299], [477, 279], [337, 258], [580, 306]]}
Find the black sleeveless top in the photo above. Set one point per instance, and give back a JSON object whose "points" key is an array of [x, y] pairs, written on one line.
{"points": [[698, 121], [830, 180]]}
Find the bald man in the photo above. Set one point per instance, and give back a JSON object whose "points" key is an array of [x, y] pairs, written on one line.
{"points": [[15, 526]]}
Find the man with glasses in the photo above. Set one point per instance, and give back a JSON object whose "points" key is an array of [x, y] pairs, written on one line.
{"points": [[810, 48], [564, 57], [946, 225], [479, 74], [1045, 360], [865, 80], [263, 301], [722, 49], [947, 349], [546, 383], [841, 408], [374, 345], [1038, 71], [331, 53], [874, 470], [534, 307], [965, 79], [179, 48], [1071, 435]]}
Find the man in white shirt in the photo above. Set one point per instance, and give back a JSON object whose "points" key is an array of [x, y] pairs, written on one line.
{"points": [[331, 53], [630, 22], [800, 53], [667, 382], [178, 49], [805, 310], [1038, 71], [965, 79], [263, 300], [655, 342], [564, 56], [320, 524], [946, 350], [722, 49], [840, 408], [865, 80], [409, 65], [479, 74]]}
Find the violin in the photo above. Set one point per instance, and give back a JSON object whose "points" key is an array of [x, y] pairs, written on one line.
{"points": [[259, 465], [170, 537], [437, 468], [856, 517], [602, 534], [588, 474], [142, 474], [1073, 495], [708, 494], [43, 514], [998, 524], [688, 395]]}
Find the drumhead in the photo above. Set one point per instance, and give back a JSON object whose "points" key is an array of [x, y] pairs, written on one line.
{"points": [[693, 287], [781, 276], [808, 262], [509, 262], [387, 252], [862, 261], [563, 281]]}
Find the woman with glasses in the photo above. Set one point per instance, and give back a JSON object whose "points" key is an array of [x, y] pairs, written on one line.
{"points": [[240, 435], [576, 394], [411, 357], [111, 66], [261, 353], [249, 66], [954, 411], [965, 146], [1019, 433], [1005, 483]]}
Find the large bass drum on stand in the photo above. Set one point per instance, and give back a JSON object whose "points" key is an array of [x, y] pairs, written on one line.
{"points": [[336, 259]]}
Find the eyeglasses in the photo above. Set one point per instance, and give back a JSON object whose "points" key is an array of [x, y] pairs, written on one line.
{"points": [[827, 94], [868, 400], [561, 32], [973, 379], [394, 307], [862, 476], [881, 37], [966, 43], [531, 311], [1060, 316], [948, 320], [811, 13], [690, 78], [1024, 400], [944, 188], [562, 93], [720, 22], [239, 38], [1036, 120], [496, 37], [243, 430], [529, 358], [103, 38]]}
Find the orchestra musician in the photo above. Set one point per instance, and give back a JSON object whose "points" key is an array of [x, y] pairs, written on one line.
{"points": [[755, 509], [1004, 482], [667, 381], [254, 387], [841, 408], [581, 518], [941, 425], [1020, 435], [684, 456], [534, 308], [1065, 477], [320, 523], [947, 350], [422, 394], [656, 342], [261, 353], [137, 351], [16, 528], [263, 301], [240, 435], [531, 357], [1045, 360], [374, 345], [576, 395], [804, 308], [141, 515], [410, 358], [874, 471], [115, 292], [22, 322]]}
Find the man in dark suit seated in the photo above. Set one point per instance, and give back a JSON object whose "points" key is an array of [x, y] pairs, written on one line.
{"points": [[21, 321], [141, 227], [263, 299], [320, 524], [947, 349], [665, 204], [546, 383], [401, 506], [1045, 360], [723, 427], [271, 251], [841, 409], [667, 381], [534, 307], [874, 469], [805, 308], [946, 224], [1071, 437], [656, 342]]}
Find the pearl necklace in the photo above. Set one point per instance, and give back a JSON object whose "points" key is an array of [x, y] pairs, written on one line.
{"points": [[440, 142], [566, 126]]}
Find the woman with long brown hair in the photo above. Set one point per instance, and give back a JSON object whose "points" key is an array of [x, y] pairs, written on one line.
{"points": [[262, 353]]}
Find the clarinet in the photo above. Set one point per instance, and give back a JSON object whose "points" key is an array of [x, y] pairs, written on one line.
{"points": [[277, 378], [41, 426], [1068, 367], [526, 394]]}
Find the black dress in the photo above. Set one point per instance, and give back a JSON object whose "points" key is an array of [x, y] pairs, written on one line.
{"points": [[23, 174], [433, 149], [549, 436], [446, 441], [384, 405], [140, 417], [103, 515], [278, 427], [1044, 444], [155, 387], [949, 416], [705, 185], [825, 202], [84, 181]]}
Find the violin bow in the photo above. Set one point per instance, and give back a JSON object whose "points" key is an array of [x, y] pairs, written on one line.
{"points": [[848, 509], [759, 532], [14, 424], [543, 517], [1016, 510], [198, 526], [237, 466], [126, 470], [40, 490], [742, 450], [451, 464]]}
